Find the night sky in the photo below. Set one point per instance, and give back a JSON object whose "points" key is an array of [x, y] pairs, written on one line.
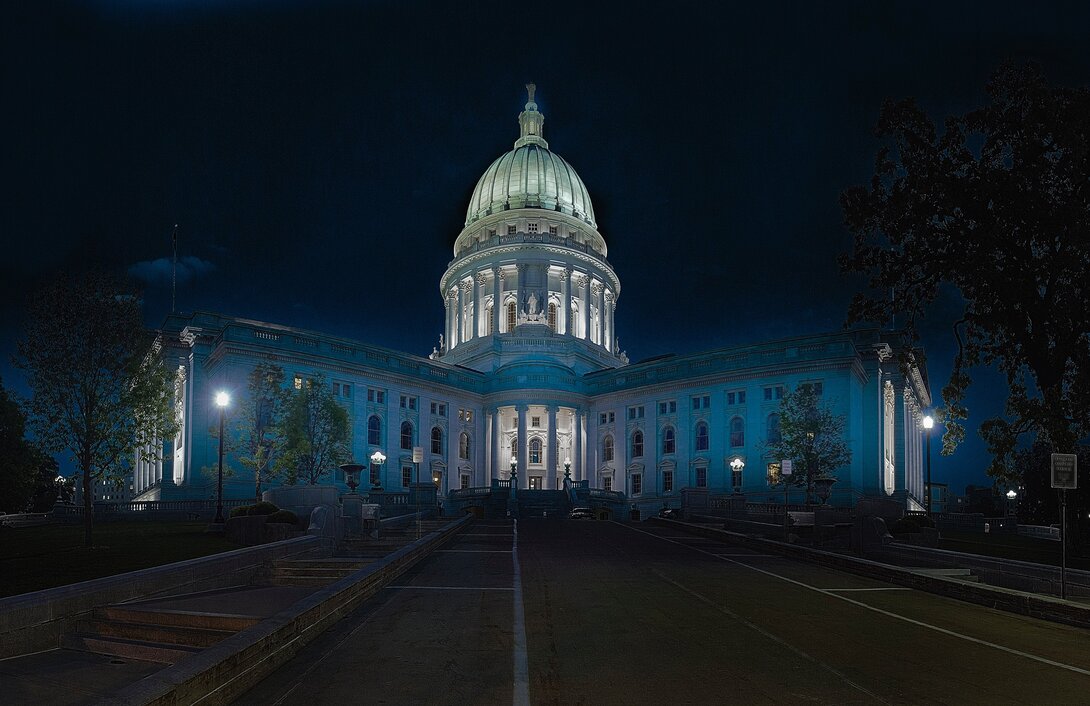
{"points": [[318, 156]]}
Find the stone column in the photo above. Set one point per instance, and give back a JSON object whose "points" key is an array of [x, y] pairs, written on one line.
{"points": [[577, 432], [497, 437], [565, 301], [551, 464], [584, 305], [522, 466], [479, 328], [497, 299], [459, 308], [452, 324], [520, 288], [607, 320], [596, 294]]}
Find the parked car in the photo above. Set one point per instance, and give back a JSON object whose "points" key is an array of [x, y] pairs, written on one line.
{"points": [[581, 513], [670, 513]]}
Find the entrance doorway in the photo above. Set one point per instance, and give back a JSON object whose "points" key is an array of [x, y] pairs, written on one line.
{"points": [[535, 482]]}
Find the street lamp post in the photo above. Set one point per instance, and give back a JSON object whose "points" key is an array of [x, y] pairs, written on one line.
{"points": [[1011, 495], [928, 422], [222, 400], [736, 466], [567, 473], [377, 459]]}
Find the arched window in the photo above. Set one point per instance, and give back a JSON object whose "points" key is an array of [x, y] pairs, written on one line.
{"points": [[774, 428], [488, 325], [511, 316], [374, 430], [535, 450], [669, 442], [637, 444], [737, 432], [406, 435], [607, 449], [463, 446], [514, 448], [436, 440], [552, 317], [701, 436]]}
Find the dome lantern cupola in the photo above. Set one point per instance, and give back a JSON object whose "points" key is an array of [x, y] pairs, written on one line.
{"points": [[531, 123]]}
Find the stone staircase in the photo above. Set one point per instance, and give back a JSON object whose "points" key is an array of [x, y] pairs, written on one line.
{"points": [[312, 572], [543, 503], [958, 574], [393, 538], [163, 636]]}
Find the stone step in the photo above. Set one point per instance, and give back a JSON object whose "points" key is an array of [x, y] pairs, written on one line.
{"points": [[332, 563], [168, 634], [187, 618], [319, 572], [129, 649], [313, 581]]}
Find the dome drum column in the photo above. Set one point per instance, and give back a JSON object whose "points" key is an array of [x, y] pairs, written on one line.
{"points": [[497, 300]]}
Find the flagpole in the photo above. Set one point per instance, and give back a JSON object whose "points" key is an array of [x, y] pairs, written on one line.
{"points": [[174, 269]]}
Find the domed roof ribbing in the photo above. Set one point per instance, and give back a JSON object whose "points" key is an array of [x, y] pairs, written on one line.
{"points": [[530, 176]]}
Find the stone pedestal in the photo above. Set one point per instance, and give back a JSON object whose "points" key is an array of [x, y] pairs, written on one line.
{"points": [[352, 511]]}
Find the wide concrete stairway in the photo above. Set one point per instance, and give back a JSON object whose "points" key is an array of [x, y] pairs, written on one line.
{"points": [[392, 539], [543, 503], [153, 635], [312, 572]]}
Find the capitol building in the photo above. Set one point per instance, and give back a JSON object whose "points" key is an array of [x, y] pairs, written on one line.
{"points": [[528, 376]]}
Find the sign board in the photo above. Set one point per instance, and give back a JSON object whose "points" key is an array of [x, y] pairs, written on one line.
{"points": [[418, 454], [1065, 471], [785, 467]]}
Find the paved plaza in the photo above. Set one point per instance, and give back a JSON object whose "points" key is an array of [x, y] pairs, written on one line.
{"points": [[618, 613]]}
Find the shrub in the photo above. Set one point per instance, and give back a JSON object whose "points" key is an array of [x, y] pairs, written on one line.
{"points": [[240, 511], [905, 525], [262, 508], [924, 521], [285, 516]]}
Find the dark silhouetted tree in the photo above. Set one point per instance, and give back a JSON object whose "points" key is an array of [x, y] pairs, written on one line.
{"points": [[99, 389], [998, 207], [18, 459], [259, 438]]}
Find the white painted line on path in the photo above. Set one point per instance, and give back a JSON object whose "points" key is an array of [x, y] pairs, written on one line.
{"points": [[913, 621], [883, 588], [483, 534], [451, 588], [778, 640], [521, 691]]}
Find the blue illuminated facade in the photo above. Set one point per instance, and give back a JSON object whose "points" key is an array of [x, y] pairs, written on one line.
{"points": [[528, 370]]}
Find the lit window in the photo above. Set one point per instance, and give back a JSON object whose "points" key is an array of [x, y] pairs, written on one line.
{"points": [[773, 473], [668, 441], [637, 444], [297, 381], [511, 316], [637, 483], [667, 481], [406, 435], [374, 430], [535, 450], [607, 449], [532, 227], [701, 437], [552, 317], [701, 477], [436, 440], [463, 446], [737, 432]]}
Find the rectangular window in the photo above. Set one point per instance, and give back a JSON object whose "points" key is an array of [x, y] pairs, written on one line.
{"points": [[442, 409], [703, 402], [374, 473], [702, 478], [336, 389], [465, 481], [552, 230], [531, 228], [406, 476], [601, 417], [637, 483], [773, 473], [668, 407], [511, 230], [635, 412], [768, 394], [736, 397], [606, 418], [736, 479], [491, 232], [819, 388], [667, 481], [779, 392], [776, 392], [535, 422], [346, 391], [607, 483], [408, 402], [434, 408], [297, 382]]}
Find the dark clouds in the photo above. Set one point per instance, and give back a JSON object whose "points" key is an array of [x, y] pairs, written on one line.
{"points": [[161, 271]]}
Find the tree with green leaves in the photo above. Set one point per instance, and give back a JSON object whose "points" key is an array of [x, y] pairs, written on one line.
{"points": [[811, 437], [996, 207], [316, 434], [99, 389], [17, 456], [259, 434]]}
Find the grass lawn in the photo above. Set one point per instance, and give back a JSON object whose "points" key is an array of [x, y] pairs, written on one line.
{"points": [[33, 558]]}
